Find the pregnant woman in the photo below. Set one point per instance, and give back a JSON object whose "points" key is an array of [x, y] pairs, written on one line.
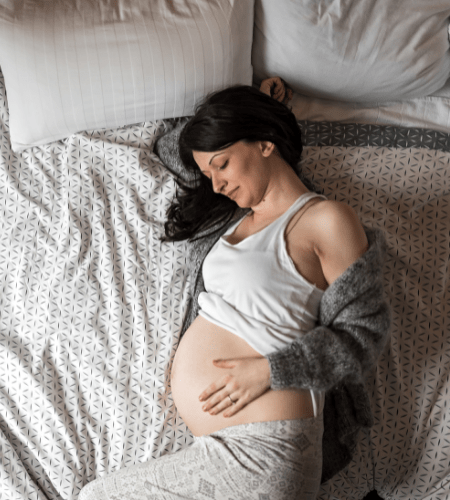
{"points": [[251, 370]]}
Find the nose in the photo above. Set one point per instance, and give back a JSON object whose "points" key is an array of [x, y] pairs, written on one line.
{"points": [[218, 184]]}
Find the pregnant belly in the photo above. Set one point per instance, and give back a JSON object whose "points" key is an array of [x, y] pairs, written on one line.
{"points": [[193, 371]]}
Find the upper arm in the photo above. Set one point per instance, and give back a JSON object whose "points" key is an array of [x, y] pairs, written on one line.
{"points": [[339, 238]]}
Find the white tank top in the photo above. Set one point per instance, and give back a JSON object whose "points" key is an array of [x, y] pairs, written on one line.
{"points": [[254, 290]]}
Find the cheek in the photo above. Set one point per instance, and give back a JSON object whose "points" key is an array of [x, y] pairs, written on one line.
{"points": [[255, 178], [250, 171], [252, 190]]}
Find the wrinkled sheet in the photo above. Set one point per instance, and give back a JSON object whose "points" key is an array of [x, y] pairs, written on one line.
{"points": [[405, 192], [91, 305]]}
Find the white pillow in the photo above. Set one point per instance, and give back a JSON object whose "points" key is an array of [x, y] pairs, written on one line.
{"points": [[431, 112], [79, 65], [362, 51]]}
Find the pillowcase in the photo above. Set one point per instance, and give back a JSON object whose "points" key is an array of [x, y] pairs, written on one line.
{"points": [[431, 112], [73, 65], [363, 51]]}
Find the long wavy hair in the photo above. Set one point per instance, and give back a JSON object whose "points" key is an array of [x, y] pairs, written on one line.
{"points": [[239, 113]]}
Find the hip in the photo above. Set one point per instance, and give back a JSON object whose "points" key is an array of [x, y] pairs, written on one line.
{"points": [[280, 460]]}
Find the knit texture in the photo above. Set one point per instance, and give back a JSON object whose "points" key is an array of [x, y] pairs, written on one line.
{"points": [[338, 354]]}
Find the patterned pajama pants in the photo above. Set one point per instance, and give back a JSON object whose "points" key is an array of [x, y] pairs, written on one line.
{"points": [[278, 460]]}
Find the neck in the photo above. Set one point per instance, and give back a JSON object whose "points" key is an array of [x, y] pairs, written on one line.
{"points": [[283, 189]]}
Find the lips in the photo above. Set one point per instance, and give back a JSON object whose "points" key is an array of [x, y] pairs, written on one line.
{"points": [[231, 193]]}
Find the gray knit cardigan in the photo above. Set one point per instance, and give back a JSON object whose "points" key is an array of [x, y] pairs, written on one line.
{"points": [[338, 354]]}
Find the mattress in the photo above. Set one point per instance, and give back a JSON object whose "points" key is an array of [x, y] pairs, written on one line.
{"points": [[91, 306]]}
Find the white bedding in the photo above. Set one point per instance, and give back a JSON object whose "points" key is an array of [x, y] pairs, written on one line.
{"points": [[91, 305], [405, 192], [431, 111]]}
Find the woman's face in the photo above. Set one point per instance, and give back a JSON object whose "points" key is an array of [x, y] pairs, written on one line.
{"points": [[241, 171]]}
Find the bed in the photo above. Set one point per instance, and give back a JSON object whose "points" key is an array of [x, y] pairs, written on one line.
{"points": [[92, 303]]}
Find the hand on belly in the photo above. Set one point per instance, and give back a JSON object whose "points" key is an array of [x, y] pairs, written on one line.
{"points": [[245, 380], [194, 371]]}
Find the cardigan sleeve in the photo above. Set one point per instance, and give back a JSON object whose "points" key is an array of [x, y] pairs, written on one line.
{"points": [[353, 328]]}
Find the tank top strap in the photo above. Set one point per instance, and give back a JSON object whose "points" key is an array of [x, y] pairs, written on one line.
{"points": [[300, 202], [277, 225]]}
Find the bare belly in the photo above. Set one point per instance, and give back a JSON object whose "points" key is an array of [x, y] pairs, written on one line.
{"points": [[193, 371]]}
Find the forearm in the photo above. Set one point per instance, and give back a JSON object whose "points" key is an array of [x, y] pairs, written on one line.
{"points": [[325, 356]]}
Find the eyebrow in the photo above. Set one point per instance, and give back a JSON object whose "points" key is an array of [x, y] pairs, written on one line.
{"points": [[217, 154]]}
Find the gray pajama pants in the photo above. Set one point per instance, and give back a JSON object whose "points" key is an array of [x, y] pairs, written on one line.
{"points": [[278, 460]]}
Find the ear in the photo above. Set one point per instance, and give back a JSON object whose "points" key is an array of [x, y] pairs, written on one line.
{"points": [[267, 148]]}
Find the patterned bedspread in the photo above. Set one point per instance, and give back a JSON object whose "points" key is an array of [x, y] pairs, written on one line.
{"points": [[399, 180], [91, 304]]}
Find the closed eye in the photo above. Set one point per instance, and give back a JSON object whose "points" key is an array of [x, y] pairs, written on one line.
{"points": [[224, 166]]}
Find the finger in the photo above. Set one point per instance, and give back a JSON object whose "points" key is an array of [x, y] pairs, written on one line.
{"points": [[211, 396], [219, 400], [280, 96], [265, 87], [212, 389], [269, 86], [276, 81], [223, 405], [234, 408], [224, 363], [277, 85], [278, 88]]}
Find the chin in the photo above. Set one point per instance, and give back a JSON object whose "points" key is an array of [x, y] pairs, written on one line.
{"points": [[242, 205]]}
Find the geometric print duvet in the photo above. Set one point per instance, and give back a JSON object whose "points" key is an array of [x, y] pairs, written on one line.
{"points": [[405, 192], [91, 305]]}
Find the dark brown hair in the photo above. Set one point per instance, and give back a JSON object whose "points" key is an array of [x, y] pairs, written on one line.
{"points": [[239, 113]]}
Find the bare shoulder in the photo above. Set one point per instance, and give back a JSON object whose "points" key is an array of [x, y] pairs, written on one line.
{"points": [[338, 222], [338, 235]]}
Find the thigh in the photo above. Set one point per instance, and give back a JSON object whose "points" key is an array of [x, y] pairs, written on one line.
{"points": [[188, 474], [279, 460], [169, 477]]}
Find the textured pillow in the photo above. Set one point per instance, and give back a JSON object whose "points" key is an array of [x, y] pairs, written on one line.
{"points": [[73, 65], [363, 51]]}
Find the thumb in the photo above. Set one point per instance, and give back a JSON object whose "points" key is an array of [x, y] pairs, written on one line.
{"points": [[265, 88], [224, 363]]}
